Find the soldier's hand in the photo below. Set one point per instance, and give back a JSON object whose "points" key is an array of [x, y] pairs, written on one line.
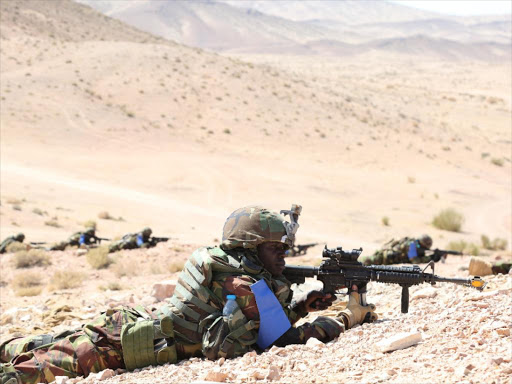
{"points": [[355, 313], [317, 301]]}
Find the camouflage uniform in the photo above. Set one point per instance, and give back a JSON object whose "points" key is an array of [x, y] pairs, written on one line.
{"points": [[198, 327], [74, 240], [129, 241], [11, 239], [396, 252]]}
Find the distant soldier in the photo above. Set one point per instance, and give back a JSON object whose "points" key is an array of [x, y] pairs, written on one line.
{"points": [[85, 238], [141, 239], [405, 250], [11, 239]]}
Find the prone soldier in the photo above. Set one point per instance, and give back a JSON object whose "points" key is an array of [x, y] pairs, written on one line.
{"points": [[246, 271], [10, 240], [142, 239], [405, 250], [81, 238]]}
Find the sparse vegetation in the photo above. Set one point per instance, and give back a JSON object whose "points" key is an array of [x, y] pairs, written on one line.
{"points": [[464, 247], [227, 131], [495, 245], [37, 211], [98, 258], [14, 201], [16, 207], [176, 266], [126, 267], [16, 247], [111, 286], [449, 220], [31, 258], [90, 224], [27, 284], [385, 221], [411, 180], [105, 216], [494, 160], [52, 223], [66, 280]]}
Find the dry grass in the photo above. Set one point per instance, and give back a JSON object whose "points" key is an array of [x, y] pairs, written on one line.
{"points": [[105, 215], [495, 245], [31, 258], [449, 220], [16, 247], [385, 221], [66, 280], [495, 161], [126, 267], [176, 266], [14, 201], [411, 180], [90, 224], [464, 247], [27, 284], [112, 286], [52, 223], [98, 258], [38, 211]]}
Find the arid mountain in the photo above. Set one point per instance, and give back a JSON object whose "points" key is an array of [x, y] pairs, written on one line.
{"points": [[332, 28]]}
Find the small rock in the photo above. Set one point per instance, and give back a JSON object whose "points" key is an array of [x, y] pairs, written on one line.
{"points": [[163, 289], [498, 324], [313, 342], [428, 292], [257, 374], [221, 361], [216, 375], [104, 375], [503, 331], [273, 373], [61, 379], [399, 341]]}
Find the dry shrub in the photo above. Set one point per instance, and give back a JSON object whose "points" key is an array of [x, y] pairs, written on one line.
{"points": [[16, 247], [464, 247], [14, 201], [495, 245], [38, 211], [52, 223], [105, 215], [66, 280], [495, 161], [90, 224], [411, 179], [385, 221], [449, 220], [98, 258], [27, 284], [112, 286], [126, 267], [176, 266], [31, 258]]}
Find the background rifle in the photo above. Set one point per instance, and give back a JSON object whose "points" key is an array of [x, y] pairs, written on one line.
{"points": [[37, 242], [301, 249], [155, 240], [438, 254], [340, 269]]}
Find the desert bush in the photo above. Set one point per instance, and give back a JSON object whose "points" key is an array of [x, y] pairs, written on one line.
{"points": [[126, 267], [98, 258], [37, 211], [464, 247], [31, 258], [449, 220], [89, 224], [385, 221], [494, 160], [16, 207], [14, 201], [411, 180], [495, 245], [52, 223], [16, 247], [27, 284], [227, 131], [112, 286], [176, 266], [66, 280], [105, 215], [156, 268]]}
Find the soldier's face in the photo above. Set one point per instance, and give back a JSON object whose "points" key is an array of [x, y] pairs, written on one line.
{"points": [[272, 256]]}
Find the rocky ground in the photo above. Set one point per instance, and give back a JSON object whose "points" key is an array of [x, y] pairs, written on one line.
{"points": [[458, 334]]}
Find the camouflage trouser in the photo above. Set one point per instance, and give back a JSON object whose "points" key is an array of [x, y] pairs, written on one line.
{"points": [[59, 246], [385, 257], [93, 348]]}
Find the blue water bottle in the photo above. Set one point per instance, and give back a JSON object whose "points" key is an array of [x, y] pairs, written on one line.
{"points": [[230, 306]]}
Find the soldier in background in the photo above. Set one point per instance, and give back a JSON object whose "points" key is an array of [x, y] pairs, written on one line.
{"points": [[10, 240], [244, 270], [132, 241], [85, 238], [405, 250]]}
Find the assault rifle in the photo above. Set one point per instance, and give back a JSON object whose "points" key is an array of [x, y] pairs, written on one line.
{"points": [[100, 239], [438, 254], [301, 249], [340, 269], [155, 240], [37, 243]]}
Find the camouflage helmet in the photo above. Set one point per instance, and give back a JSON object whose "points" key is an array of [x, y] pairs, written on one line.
{"points": [[19, 237], [425, 241], [146, 232], [251, 226], [90, 231]]}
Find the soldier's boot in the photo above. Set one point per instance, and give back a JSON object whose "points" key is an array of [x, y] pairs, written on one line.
{"points": [[8, 374], [479, 267]]}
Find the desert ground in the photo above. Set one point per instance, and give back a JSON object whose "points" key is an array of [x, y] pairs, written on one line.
{"points": [[99, 117]]}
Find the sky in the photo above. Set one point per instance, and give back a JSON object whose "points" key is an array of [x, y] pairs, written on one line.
{"points": [[461, 7]]}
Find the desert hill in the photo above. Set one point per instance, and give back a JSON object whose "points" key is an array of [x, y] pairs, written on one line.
{"points": [[302, 28]]}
